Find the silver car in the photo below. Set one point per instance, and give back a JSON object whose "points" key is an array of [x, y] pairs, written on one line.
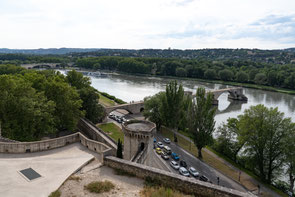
{"points": [[183, 171], [193, 172], [160, 144], [174, 165]]}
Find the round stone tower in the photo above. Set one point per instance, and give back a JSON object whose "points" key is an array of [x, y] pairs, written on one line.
{"points": [[138, 136]]}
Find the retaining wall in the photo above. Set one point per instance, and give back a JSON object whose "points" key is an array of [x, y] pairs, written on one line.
{"points": [[172, 180], [96, 134], [23, 147]]}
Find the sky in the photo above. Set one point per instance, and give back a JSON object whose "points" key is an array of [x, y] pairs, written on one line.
{"points": [[142, 24]]}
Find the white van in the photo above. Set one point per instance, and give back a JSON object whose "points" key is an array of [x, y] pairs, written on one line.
{"points": [[167, 150]]}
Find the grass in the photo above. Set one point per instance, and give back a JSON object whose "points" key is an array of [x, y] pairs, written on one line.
{"points": [[161, 192], [218, 164], [99, 186], [106, 101], [55, 194], [75, 178], [112, 130]]}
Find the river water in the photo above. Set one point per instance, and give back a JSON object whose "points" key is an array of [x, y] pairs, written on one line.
{"points": [[135, 88]]}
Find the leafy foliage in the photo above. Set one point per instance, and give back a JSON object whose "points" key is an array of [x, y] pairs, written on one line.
{"points": [[201, 119]]}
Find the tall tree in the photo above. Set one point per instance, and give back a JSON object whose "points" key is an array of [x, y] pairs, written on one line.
{"points": [[201, 119], [172, 106], [289, 153], [152, 109], [263, 130]]}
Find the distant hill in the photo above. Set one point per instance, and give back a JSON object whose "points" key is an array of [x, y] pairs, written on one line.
{"points": [[53, 51], [283, 56]]}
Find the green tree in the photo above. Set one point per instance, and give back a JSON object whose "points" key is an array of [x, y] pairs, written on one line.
{"points": [[226, 75], [289, 153], [210, 74], [172, 105], [180, 72], [76, 79], [263, 131], [68, 103], [152, 109], [227, 142], [260, 78], [242, 77], [119, 149], [94, 111], [25, 114], [201, 119]]}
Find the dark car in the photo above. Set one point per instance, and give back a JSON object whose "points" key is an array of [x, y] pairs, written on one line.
{"points": [[204, 178], [183, 163]]}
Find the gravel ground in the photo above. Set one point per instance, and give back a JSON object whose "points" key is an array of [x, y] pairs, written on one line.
{"points": [[124, 186]]}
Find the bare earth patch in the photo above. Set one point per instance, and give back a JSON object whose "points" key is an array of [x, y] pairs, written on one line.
{"points": [[124, 186]]}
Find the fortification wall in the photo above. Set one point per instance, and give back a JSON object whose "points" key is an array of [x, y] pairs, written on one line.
{"points": [[181, 183], [23, 147], [96, 134]]}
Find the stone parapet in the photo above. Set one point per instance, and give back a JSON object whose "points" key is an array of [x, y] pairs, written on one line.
{"points": [[172, 180]]}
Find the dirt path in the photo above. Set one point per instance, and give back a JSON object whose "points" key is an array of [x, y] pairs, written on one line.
{"points": [[124, 186]]}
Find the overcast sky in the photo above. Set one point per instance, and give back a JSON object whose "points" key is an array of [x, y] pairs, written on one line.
{"points": [[138, 24]]}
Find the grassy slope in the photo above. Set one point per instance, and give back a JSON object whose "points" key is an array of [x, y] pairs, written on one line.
{"points": [[106, 101], [112, 130]]}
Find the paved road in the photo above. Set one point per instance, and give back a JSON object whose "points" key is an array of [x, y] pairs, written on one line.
{"points": [[201, 167]]}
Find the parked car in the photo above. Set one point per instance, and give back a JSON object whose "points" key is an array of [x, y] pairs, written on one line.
{"points": [[174, 165], [160, 145], [204, 178], [183, 163], [167, 150], [166, 140], [164, 156], [183, 171], [174, 156], [193, 172], [155, 140], [158, 150]]}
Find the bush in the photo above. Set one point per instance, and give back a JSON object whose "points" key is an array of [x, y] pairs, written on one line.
{"points": [[55, 194], [99, 186]]}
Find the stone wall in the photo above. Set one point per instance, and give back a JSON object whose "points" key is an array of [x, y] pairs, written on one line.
{"points": [[96, 134], [172, 180], [23, 147]]}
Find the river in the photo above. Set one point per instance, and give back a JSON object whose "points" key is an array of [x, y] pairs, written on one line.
{"points": [[135, 88]]}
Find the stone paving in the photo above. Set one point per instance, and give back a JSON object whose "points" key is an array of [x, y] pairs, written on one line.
{"points": [[54, 166]]}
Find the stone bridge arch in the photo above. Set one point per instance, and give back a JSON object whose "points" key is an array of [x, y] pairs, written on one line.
{"points": [[133, 108], [235, 93], [41, 65]]}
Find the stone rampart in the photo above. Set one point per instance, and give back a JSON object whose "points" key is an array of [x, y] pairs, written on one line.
{"points": [[172, 180], [96, 134], [24, 147]]}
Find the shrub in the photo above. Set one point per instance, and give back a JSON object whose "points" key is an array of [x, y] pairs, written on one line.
{"points": [[99, 186], [55, 194]]}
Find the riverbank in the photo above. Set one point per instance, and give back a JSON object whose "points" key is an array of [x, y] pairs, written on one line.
{"points": [[246, 85]]}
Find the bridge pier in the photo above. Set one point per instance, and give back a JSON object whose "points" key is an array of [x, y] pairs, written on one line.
{"points": [[235, 94]]}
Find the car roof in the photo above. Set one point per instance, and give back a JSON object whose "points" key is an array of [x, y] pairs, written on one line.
{"points": [[174, 162], [183, 168]]}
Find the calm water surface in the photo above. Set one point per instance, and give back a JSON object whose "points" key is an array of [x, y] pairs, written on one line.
{"points": [[135, 88]]}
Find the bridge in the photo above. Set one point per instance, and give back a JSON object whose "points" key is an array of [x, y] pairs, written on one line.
{"points": [[235, 93], [41, 65], [132, 108]]}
